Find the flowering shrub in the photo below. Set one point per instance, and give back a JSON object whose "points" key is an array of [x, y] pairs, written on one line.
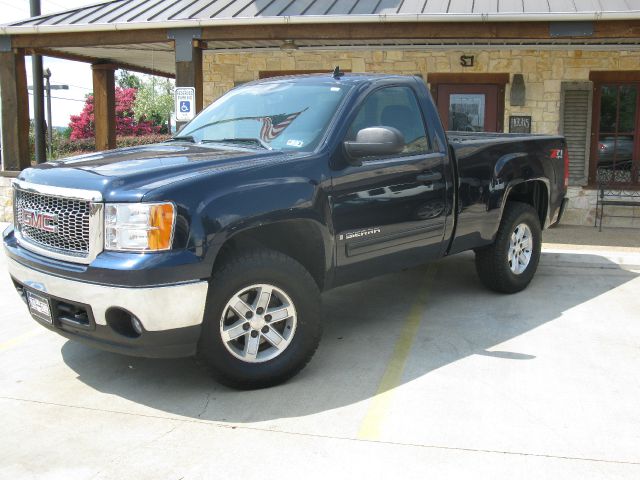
{"points": [[83, 125]]}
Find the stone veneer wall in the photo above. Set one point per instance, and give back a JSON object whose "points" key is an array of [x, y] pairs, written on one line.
{"points": [[6, 200], [543, 72]]}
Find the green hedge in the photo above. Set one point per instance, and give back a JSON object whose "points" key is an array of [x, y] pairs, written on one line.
{"points": [[65, 147]]}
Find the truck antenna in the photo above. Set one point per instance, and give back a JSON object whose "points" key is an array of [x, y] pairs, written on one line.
{"points": [[337, 73]]}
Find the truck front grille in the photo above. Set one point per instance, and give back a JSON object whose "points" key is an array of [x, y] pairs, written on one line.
{"points": [[68, 222], [52, 223]]}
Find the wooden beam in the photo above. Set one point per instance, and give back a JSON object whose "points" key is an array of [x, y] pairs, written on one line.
{"points": [[465, 78], [15, 111], [189, 74], [86, 39], [615, 76], [414, 30], [83, 58], [609, 29], [104, 106]]}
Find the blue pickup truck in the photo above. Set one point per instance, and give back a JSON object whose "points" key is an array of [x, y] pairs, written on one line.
{"points": [[219, 242]]}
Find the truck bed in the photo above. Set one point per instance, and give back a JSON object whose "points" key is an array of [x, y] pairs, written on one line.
{"points": [[486, 163]]}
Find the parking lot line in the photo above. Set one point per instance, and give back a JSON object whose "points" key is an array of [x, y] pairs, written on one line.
{"points": [[379, 405], [12, 342]]}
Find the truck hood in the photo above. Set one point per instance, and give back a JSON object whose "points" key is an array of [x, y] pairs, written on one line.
{"points": [[127, 174]]}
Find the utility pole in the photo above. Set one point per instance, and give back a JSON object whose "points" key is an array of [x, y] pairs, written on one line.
{"points": [[47, 78], [49, 87], [38, 96]]}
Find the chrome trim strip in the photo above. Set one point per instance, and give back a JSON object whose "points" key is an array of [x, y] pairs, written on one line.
{"points": [[96, 220], [158, 308], [75, 193]]}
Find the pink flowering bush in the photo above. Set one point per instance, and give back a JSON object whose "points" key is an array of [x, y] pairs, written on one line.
{"points": [[83, 125]]}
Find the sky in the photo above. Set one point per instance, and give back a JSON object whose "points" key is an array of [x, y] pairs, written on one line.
{"points": [[77, 75]]}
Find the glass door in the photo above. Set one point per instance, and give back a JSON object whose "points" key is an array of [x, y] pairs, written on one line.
{"points": [[468, 108]]}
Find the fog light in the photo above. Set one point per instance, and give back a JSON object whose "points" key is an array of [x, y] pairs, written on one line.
{"points": [[123, 322], [137, 326]]}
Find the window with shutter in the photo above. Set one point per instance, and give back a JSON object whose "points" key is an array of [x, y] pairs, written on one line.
{"points": [[575, 125]]}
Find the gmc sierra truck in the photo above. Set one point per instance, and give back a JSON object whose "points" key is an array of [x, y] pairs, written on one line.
{"points": [[218, 242]]}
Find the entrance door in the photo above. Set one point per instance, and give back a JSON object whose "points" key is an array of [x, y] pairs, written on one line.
{"points": [[469, 108], [472, 102]]}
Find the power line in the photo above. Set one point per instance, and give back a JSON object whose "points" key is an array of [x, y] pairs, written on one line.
{"points": [[23, 11], [62, 98], [55, 4]]}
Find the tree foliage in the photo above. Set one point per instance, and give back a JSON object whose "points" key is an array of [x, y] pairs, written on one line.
{"points": [[83, 125], [126, 79], [154, 101]]}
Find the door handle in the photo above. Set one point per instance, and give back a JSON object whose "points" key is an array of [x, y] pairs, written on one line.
{"points": [[429, 177]]}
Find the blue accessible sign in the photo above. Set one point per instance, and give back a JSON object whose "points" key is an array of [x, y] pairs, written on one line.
{"points": [[185, 100]]}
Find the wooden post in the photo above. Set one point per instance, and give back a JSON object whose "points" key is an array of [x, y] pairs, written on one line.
{"points": [[15, 111], [189, 74], [188, 62], [104, 105]]}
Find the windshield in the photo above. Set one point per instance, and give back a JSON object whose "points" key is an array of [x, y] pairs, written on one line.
{"points": [[277, 116]]}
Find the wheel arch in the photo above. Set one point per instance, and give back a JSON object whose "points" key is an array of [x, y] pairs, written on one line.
{"points": [[304, 240], [534, 192]]}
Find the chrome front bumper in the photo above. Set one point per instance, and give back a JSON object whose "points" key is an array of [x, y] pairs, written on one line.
{"points": [[158, 308]]}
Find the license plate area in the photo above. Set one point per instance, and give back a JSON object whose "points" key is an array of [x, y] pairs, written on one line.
{"points": [[39, 307]]}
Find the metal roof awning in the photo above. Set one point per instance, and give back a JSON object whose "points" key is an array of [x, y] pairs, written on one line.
{"points": [[134, 33], [144, 14]]}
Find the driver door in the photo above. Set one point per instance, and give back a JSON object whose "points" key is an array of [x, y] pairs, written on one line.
{"points": [[389, 212]]}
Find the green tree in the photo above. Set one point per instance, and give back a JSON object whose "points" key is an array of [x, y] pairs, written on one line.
{"points": [[154, 101], [126, 79]]}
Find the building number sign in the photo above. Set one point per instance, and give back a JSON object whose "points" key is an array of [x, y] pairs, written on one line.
{"points": [[519, 124]]}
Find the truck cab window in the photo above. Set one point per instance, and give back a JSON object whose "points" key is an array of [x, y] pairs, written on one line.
{"points": [[395, 107]]}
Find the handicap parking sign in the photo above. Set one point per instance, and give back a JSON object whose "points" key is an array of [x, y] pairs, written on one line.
{"points": [[185, 98]]}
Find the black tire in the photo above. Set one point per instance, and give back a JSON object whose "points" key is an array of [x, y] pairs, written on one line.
{"points": [[237, 273], [492, 263]]}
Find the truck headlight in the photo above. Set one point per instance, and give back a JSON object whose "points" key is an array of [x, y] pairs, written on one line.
{"points": [[141, 227]]}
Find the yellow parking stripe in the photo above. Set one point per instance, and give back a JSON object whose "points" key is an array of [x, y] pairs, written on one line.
{"points": [[12, 342], [380, 403]]}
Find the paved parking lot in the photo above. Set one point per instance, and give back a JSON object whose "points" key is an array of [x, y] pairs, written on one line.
{"points": [[420, 374]]}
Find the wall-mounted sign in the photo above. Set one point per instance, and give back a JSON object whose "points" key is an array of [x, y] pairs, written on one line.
{"points": [[467, 60], [185, 103], [519, 124]]}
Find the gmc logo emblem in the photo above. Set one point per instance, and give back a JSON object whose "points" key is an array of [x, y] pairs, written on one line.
{"points": [[44, 221]]}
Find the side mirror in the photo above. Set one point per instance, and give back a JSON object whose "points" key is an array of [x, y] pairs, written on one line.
{"points": [[375, 142]]}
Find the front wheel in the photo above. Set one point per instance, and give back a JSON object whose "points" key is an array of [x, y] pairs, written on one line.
{"points": [[509, 264], [262, 320]]}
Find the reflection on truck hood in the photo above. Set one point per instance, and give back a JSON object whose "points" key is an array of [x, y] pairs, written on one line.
{"points": [[132, 172]]}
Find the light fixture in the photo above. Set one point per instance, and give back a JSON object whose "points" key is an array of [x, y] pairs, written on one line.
{"points": [[518, 91]]}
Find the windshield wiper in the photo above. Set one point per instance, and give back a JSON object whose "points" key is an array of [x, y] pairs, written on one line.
{"points": [[254, 141], [184, 138]]}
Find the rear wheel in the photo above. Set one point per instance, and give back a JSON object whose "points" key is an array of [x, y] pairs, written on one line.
{"points": [[262, 320], [509, 264]]}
